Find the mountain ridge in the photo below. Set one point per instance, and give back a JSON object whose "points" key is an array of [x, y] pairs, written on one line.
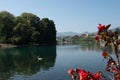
{"points": [[69, 33]]}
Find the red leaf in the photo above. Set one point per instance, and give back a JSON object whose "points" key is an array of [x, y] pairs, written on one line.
{"points": [[97, 38], [70, 71], [101, 27], [104, 54]]}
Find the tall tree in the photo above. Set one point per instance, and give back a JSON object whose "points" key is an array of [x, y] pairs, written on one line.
{"points": [[28, 25], [49, 31], [6, 26]]}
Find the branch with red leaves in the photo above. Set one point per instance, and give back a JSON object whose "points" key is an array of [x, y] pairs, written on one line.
{"points": [[113, 66], [80, 74], [110, 38]]}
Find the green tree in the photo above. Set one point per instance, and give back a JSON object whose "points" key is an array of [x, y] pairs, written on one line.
{"points": [[6, 26], [26, 29], [49, 31]]}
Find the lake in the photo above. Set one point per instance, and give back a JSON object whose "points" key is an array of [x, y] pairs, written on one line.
{"points": [[22, 63]]}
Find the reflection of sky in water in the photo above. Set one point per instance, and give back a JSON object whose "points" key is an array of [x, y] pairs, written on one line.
{"points": [[72, 56], [67, 56]]}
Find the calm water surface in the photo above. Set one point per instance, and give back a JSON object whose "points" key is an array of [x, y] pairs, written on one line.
{"points": [[23, 64]]}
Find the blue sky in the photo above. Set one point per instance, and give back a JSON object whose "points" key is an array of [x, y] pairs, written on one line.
{"points": [[69, 15]]}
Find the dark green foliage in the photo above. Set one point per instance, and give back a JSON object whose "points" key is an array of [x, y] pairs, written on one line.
{"points": [[49, 31], [6, 26], [26, 29]]}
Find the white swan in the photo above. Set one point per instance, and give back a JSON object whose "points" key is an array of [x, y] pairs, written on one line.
{"points": [[39, 58]]}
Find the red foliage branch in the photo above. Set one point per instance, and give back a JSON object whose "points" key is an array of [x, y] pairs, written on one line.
{"points": [[110, 38], [80, 74], [113, 66]]}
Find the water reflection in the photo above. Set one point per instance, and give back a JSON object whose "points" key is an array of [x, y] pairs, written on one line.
{"points": [[24, 60], [95, 46]]}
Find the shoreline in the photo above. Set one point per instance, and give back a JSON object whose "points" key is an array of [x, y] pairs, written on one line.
{"points": [[3, 45]]}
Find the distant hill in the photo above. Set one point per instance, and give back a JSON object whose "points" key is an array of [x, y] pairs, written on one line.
{"points": [[70, 33], [67, 34]]}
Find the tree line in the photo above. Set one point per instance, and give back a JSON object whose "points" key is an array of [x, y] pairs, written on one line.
{"points": [[26, 29]]}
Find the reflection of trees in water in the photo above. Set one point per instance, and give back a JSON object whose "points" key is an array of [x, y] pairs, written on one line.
{"points": [[89, 45], [24, 60]]}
